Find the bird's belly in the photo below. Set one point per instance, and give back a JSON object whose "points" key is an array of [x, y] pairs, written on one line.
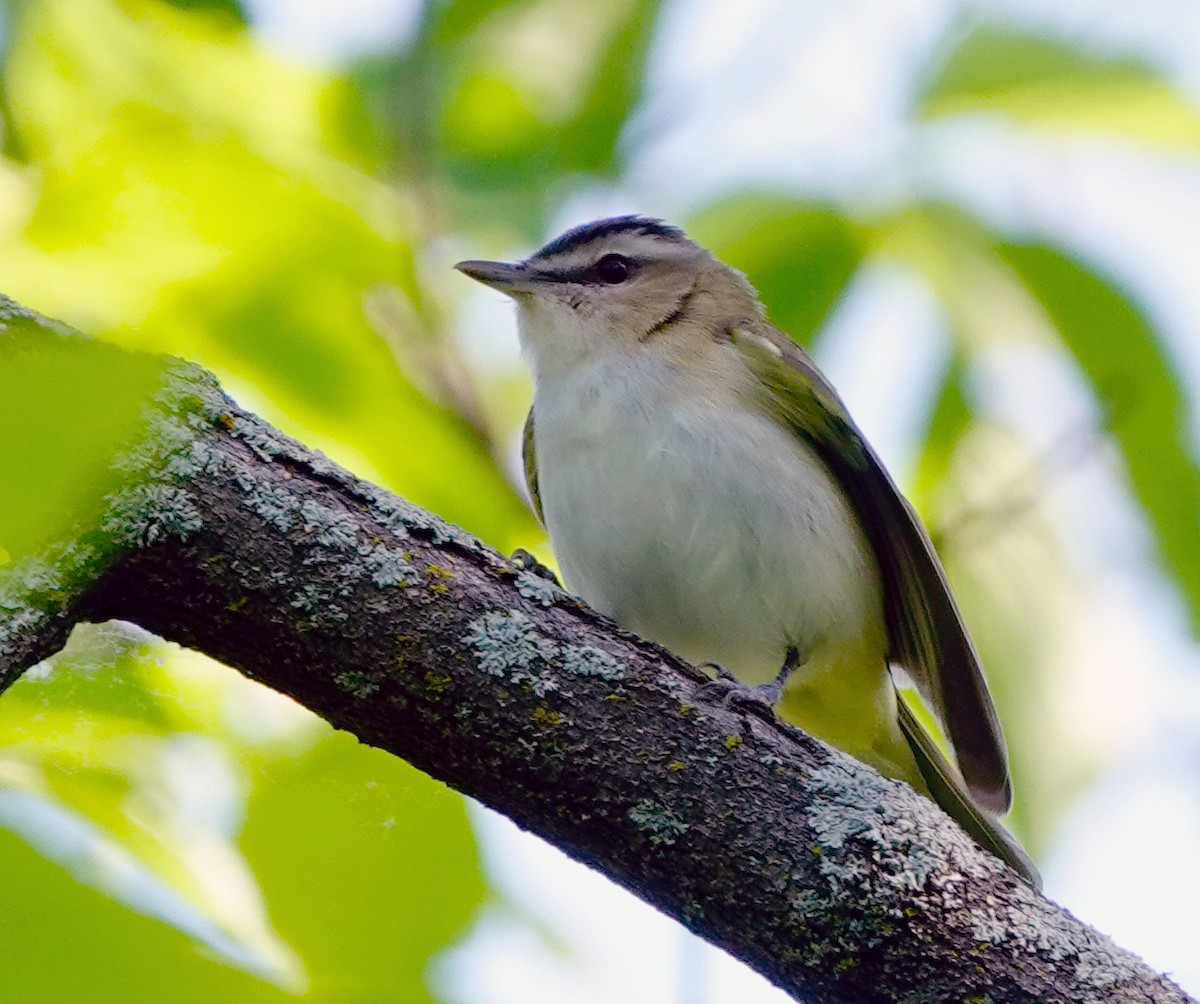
{"points": [[725, 540]]}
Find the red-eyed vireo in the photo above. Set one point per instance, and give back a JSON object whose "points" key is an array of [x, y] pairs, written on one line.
{"points": [[704, 486]]}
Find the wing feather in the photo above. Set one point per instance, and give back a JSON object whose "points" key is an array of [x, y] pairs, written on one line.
{"points": [[945, 787], [529, 458], [925, 630]]}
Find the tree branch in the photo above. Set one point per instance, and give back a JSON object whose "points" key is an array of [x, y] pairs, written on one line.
{"points": [[836, 884]]}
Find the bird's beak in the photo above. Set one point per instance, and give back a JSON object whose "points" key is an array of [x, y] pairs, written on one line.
{"points": [[510, 279]]}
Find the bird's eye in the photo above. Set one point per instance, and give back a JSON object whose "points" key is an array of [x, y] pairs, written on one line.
{"points": [[613, 268]]}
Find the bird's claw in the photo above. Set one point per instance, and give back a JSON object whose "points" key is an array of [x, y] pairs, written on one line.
{"points": [[526, 562], [734, 692]]}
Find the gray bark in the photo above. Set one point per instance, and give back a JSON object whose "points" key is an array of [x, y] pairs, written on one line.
{"points": [[834, 883]]}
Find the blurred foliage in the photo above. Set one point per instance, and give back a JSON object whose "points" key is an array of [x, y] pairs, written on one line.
{"points": [[193, 192], [170, 184], [296, 859], [1036, 81], [44, 443], [1115, 347], [799, 257], [493, 118]]}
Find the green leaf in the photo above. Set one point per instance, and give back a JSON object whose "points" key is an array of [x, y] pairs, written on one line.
{"points": [[1041, 82], [67, 407], [107, 789], [76, 944], [497, 115], [370, 868], [799, 256], [230, 10], [10, 147], [198, 196], [1117, 348], [949, 422], [144, 785], [590, 140]]}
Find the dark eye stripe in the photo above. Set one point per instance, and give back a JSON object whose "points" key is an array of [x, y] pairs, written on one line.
{"points": [[584, 275]]}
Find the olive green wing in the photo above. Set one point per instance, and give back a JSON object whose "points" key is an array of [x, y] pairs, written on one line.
{"points": [[925, 631], [944, 785], [529, 457]]}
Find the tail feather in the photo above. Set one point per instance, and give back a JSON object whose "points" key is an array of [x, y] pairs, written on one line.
{"points": [[950, 793]]}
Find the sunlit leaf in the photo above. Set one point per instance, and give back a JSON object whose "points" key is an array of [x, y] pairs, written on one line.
{"points": [[197, 799], [215, 218], [67, 407], [456, 21], [386, 852], [498, 114], [1148, 416], [143, 813], [230, 9], [9, 145], [114, 953], [1042, 82], [590, 140]]}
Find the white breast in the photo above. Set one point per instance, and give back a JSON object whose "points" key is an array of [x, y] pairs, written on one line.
{"points": [[713, 531]]}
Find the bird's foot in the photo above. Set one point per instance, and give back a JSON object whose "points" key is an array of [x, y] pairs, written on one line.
{"points": [[526, 562], [763, 697]]}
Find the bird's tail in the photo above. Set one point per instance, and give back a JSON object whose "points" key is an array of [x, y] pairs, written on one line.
{"points": [[951, 794]]}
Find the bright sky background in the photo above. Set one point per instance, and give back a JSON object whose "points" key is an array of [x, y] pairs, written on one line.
{"points": [[809, 95]]}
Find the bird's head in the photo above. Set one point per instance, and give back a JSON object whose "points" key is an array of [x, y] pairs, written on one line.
{"points": [[622, 285]]}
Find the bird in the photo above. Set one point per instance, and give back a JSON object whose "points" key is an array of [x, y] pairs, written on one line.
{"points": [[703, 485]]}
